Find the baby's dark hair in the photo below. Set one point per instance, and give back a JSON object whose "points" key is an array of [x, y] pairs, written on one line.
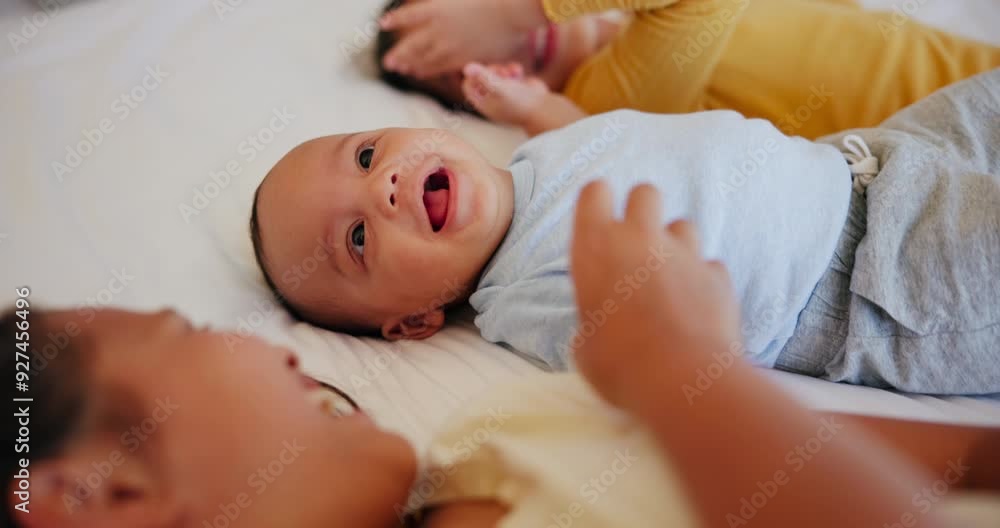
{"points": [[57, 382], [258, 253], [279, 296]]}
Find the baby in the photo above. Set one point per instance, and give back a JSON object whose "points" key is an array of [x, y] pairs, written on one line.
{"points": [[882, 282], [811, 67]]}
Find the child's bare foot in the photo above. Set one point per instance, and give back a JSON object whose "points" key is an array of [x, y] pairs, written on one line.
{"points": [[503, 94]]}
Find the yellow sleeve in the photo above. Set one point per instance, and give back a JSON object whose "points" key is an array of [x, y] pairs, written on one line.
{"points": [[820, 66], [662, 62], [560, 11]]}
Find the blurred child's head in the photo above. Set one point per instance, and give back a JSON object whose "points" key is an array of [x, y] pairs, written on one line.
{"points": [[552, 54], [379, 232], [144, 420]]}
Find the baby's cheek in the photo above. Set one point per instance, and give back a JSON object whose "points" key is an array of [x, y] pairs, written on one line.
{"points": [[430, 266]]}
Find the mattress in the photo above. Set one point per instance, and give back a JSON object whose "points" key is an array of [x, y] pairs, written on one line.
{"points": [[136, 132]]}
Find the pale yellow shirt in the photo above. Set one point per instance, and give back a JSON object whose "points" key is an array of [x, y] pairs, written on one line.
{"points": [[812, 67], [556, 455]]}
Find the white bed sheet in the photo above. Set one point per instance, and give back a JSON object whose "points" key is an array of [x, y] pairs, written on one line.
{"points": [[113, 230]]}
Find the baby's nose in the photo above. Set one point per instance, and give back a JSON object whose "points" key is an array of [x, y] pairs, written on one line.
{"points": [[385, 190], [392, 192]]}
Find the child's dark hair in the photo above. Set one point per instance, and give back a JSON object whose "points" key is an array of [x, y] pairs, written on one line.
{"points": [[58, 386], [385, 42], [279, 296]]}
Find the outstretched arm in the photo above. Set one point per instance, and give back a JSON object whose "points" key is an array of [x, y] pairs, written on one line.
{"points": [[961, 455], [741, 439]]}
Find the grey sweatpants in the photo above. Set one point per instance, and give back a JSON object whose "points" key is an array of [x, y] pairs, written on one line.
{"points": [[911, 300]]}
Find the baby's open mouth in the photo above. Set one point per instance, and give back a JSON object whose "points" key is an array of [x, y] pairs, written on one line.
{"points": [[436, 194]]}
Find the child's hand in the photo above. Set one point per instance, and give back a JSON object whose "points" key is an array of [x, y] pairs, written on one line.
{"points": [[646, 298], [503, 94], [441, 36]]}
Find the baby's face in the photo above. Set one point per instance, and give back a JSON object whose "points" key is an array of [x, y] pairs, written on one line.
{"points": [[380, 230]]}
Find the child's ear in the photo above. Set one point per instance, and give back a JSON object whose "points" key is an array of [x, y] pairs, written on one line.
{"points": [[93, 484], [415, 326]]}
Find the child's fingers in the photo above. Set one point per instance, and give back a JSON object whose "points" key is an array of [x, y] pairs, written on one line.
{"points": [[645, 207], [686, 234], [406, 55], [594, 214], [594, 208], [435, 60], [409, 14]]}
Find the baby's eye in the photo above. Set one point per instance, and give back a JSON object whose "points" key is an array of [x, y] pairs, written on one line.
{"points": [[358, 238], [365, 157]]}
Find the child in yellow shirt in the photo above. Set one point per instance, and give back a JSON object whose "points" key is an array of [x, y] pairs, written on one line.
{"points": [[812, 67]]}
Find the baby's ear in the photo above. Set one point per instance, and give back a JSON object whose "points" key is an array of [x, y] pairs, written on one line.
{"points": [[414, 326]]}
